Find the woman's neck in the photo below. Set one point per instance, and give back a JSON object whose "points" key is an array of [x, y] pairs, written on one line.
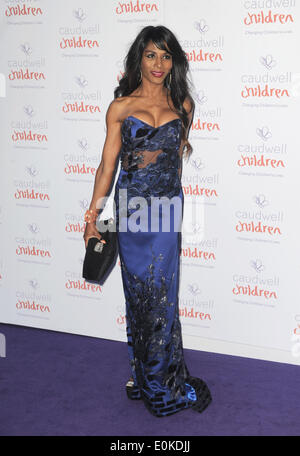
{"points": [[149, 90]]}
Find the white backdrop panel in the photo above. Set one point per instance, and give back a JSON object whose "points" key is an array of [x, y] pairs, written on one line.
{"points": [[60, 62]]}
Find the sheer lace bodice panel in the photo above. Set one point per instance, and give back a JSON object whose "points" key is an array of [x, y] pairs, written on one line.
{"points": [[140, 159], [146, 146]]}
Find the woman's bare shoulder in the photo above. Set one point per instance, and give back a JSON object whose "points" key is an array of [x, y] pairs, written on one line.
{"points": [[118, 108], [188, 105]]}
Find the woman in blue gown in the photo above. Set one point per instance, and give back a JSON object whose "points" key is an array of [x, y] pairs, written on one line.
{"points": [[148, 211]]}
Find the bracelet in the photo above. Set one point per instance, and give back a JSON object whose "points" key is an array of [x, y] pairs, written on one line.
{"points": [[90, 216]]}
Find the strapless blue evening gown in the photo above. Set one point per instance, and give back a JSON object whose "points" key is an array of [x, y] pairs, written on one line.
{"points": [[149, 252]]}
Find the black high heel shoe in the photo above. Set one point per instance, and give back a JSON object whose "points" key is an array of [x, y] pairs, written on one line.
{"points": [[132, 391], [203, 394]]}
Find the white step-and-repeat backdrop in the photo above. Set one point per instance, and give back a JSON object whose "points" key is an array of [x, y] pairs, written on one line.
{"points": [[60, 62]]}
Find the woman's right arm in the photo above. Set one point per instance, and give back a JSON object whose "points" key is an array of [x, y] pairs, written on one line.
{"points": [[105, 171]]}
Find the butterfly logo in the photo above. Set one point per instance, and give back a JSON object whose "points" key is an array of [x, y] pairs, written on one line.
{"points": [[194, 289], [81, 81], [26, 48], [33, 283], [201, 26], [264, 133], [257, 265], [196, 228], [200, 97], [197, 163], [29, 111], [32, 171], [82, 143], [268, 62], [79, 14], [260, 200], [33, 228]]}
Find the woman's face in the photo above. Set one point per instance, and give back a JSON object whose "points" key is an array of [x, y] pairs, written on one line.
{"points": [[156, 64]]}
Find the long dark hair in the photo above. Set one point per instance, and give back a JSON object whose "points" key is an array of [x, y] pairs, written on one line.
{"points": [[165, 40]]}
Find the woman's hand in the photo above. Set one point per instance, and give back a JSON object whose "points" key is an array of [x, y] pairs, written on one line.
{"points": [[90, 231]]}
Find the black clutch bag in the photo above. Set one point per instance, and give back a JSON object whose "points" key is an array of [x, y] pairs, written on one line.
{"points": [[100, 256]]}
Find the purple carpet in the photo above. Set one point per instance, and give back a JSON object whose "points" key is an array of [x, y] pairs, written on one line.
{"points": [[55, 383]]}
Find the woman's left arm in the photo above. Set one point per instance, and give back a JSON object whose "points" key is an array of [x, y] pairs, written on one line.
{"points": [[190, 111]]}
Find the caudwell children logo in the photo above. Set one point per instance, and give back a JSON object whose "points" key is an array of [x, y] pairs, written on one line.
{"points": [[260, 221], [32, 189], [33, 298], [15, 10], [267, 13], [266, 154], [193, 306], [29, 131], [256, 285], [266, 84], [136, 7], [28, 66], [81, 35], [203, 47], [81, 100], [32, 247], [207, 119], [198, 183], [201, 187], [82, 163], [196, 249]]}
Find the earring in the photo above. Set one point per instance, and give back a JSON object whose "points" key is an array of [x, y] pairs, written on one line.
{"points": [[170, 79], [141, 76]]}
